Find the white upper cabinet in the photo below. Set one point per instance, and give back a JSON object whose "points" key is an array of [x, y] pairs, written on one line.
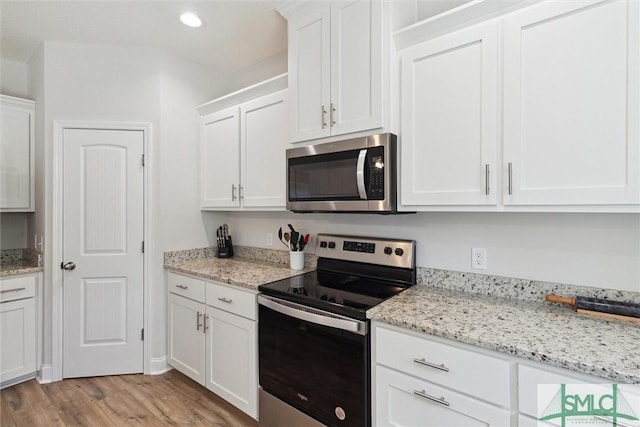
{"points": [[522, 106], [335, 68], [244, 138], [221, 159], [17, 158], [449, 104], [571, 92]]}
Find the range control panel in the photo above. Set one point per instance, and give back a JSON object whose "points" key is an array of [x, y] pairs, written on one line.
{"points": [[374, 250]]}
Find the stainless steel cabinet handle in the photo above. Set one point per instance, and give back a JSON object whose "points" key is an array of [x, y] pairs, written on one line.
{"points": [[486, 179], [228, 301], [331, 111], [198, 324], [68, 266], [431, 364], [233, 192], [440, 400], [206, 319], [182, 287], [510, 178], [241, 192], [12, 290], [323, 111]]}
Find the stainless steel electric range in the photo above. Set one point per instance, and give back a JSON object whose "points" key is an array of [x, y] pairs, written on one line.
{"points": [[313, 334]]}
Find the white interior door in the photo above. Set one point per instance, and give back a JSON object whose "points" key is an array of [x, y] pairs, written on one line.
{"points": [[103, 234]]}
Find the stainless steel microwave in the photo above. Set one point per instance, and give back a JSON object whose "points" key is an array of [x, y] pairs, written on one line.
{"points": [[354, 175]]}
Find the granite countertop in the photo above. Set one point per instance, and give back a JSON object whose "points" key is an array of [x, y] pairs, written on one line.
{"points": [[543, 332], [18, 267], [243, 272]]}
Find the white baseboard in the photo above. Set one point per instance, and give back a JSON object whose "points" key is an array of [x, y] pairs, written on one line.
{"points": [[45, 375], [159, 365]]}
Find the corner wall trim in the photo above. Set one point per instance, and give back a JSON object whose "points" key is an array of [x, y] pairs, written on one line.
{"points": [[159, 366], [45, 375]]}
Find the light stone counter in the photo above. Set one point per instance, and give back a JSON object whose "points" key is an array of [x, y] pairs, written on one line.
{"points": [[243, 272], [19, 261], [543, 332]]}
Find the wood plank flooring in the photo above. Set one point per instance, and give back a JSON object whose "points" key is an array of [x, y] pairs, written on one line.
{"points": [[170, 399]]}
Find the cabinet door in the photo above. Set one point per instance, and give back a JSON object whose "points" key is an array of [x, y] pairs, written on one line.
{"points": [[17, 339], [571, 91], [16, 157], [220, 167], [356, 66], [449, 120], [186, 337], [264, 138], [232, 369], [309, 74], [401, 400]]}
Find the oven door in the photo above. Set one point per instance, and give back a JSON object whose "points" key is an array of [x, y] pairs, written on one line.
{"points": [[315, 361]]}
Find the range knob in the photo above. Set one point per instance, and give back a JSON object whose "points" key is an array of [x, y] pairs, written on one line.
{"points": [[387, 250], [399, 251], [332, 245], [323, 244]]}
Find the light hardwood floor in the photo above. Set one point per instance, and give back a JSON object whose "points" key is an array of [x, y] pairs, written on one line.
{"points": [[158, 400]]}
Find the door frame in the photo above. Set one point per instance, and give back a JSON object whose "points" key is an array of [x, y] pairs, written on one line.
{"points": [[57, 312]]}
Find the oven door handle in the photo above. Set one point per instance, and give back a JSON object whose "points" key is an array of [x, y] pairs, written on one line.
{"points": [[362, 157], [312, 315]]}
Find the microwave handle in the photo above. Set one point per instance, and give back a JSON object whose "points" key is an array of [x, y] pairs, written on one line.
{"points": [[362, 191]]}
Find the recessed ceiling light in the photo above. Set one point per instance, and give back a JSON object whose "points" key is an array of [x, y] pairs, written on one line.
{"points": [[190, 19]]}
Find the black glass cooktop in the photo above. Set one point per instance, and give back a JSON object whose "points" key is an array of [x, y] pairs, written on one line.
{"points": [[340, 293]]}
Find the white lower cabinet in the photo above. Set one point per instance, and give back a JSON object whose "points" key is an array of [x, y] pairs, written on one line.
{"points": [[212, 338], [18, 329], [403, 400], [425, 381]]}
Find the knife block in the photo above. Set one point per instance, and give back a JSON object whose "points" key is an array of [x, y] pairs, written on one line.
{"points": [[225, 250]]}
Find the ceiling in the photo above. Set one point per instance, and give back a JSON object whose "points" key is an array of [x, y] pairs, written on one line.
{"points": [[236, 33]]}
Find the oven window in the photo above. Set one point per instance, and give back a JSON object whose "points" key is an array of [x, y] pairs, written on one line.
{"points": [[319, 370], [324, 177]]}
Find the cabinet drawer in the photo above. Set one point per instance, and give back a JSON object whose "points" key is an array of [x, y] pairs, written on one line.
{"points": [[530, 376], [186, 286], [402, 400], [236, 301], [469, 372], [17, 288]]}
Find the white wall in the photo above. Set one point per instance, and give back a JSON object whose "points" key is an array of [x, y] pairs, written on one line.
{"points": [[263, 70], [597, 250], [13, 78], [82, 82], [13, 230]]}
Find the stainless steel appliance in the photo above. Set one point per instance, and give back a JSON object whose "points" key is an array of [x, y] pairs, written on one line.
{"points": [[313, 335], [355, 175]]}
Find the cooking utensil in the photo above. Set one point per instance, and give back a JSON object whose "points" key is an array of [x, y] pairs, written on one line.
{"points": [[294, 240], [291, 228], [600, 307], [280, 237], [301, 243], [287, 238]]}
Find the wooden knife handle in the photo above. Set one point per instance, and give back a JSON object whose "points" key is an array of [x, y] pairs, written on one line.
{"points": [[562, 300]]}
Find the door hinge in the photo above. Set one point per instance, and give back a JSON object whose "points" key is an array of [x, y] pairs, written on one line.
{"points": [[142, 334], [142, 161], [143, 246]]}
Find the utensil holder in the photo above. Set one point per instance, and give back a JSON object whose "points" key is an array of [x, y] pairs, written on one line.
{"points": [[225, 249], [296, 260]]}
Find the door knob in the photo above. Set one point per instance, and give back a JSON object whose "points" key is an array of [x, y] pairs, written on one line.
{"points": [[68, 265]]}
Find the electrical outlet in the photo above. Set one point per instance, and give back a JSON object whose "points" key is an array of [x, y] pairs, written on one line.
{"points": [[269, 239], [479, 258]]}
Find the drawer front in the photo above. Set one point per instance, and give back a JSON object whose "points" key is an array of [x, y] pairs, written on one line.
{"points": [[236, 301], [402, 400], [469, 372], [17, 288], [529, 377], [186, 286]]}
